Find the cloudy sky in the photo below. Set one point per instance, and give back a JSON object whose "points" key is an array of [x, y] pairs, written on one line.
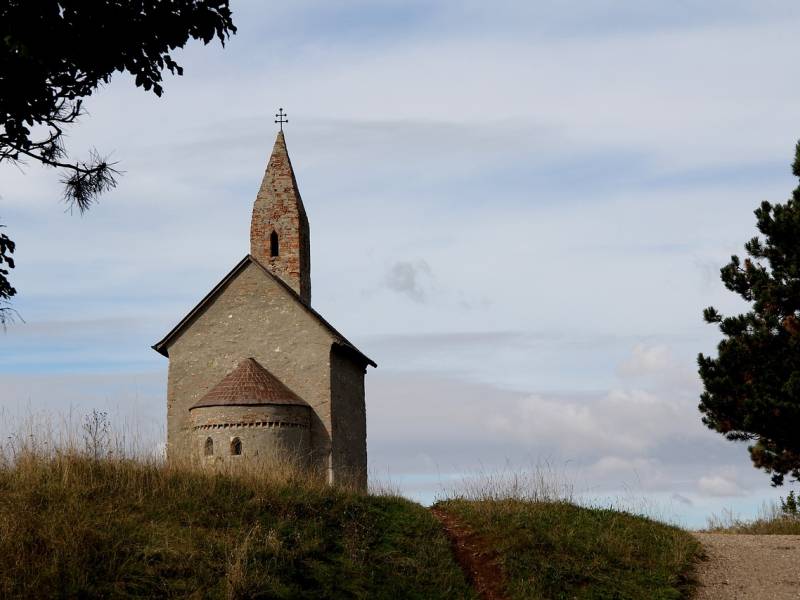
{"points": [[518, 209]]}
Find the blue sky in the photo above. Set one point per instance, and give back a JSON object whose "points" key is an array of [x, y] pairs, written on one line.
{"points": [[518, 209]]}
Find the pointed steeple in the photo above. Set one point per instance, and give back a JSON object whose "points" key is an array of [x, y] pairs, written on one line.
{"points": [[279, 235]]}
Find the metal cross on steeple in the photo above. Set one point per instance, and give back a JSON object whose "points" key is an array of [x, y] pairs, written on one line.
{"points": [[280, 114]]}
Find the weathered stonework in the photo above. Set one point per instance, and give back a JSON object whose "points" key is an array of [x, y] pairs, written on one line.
{"points": [[261, 311], [348, 417], [279, 210], [269, 432], [253, 316]]}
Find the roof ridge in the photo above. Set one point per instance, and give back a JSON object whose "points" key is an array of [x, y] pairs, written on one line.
{"points": [[161, 346], [343, 340]]}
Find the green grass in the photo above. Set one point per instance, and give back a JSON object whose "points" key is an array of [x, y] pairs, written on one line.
{"points": [[555, 550], [71, 527]]}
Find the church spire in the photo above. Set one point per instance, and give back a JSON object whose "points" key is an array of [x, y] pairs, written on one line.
{"points": [[279, 235]]}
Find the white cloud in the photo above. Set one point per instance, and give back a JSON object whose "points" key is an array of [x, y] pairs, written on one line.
{"points": [[578, 173], [426, 431], [647, 360], [630, 421], [719, 485]]}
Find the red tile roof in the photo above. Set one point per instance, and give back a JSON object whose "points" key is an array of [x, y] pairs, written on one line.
{"points": [[249, 384]]}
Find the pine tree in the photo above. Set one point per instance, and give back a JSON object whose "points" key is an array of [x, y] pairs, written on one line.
{"points": [[752, 388]]}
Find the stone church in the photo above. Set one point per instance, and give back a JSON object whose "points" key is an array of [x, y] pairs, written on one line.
{"points": [[254, 371]]}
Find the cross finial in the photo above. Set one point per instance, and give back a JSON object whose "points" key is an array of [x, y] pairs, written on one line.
{"points": [[280, 114]]}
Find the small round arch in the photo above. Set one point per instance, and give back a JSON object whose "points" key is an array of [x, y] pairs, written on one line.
{"points": [[236, 446], [274, 246], [208, 447]]}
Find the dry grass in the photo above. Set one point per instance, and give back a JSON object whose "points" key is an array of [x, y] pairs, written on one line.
{"points": [[89, 521], [90, 514], [539, 483], [771, 521], [73, 526]]}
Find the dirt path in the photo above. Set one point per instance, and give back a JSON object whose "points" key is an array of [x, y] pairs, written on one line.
{"points": [[749, 567], [475, 558]]}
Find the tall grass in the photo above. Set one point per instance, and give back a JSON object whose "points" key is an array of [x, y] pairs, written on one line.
{"points": [[87, 511], [541, 482], [89, 516], [771, 520], [47, 434], [55, 439]]}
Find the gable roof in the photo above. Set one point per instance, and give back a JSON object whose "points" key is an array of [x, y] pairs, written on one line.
{"points": [[247, 385], [342, 342]]}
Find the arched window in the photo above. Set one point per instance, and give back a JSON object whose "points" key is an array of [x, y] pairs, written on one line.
{"points": [[274, 250], [236, 446], [209, 447]]}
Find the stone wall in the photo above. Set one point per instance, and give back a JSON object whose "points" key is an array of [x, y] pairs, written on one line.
{"points": [[268, 433], [349, 418], [254, 316]]}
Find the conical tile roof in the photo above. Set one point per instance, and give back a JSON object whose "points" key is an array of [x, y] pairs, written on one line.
{"points": [[248, 384]]}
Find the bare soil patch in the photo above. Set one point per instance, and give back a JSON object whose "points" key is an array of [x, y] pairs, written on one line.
{"points": [[477, 560], [751, 567]]}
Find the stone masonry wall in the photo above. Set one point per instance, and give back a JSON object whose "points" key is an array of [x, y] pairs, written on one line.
{"points": [[279, 207], [349, 419], [254, 316], [267, 433]]}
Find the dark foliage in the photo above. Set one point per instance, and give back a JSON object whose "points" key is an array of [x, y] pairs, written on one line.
{"points": [[6, 291], [55, 53], [752, 389], [790, 507]]}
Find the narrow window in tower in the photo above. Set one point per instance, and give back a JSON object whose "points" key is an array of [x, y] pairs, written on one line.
{"points": [[273, 244], [236, 446], [209, 448]]}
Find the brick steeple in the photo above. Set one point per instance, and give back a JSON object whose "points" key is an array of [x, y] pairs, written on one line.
{"points": [[279, 235]]}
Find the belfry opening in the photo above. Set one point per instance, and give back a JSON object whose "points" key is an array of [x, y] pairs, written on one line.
{"points": [[274, 249]]}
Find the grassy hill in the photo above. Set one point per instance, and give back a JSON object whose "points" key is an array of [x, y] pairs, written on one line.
{"points": [[73, 527], [559, 550]]}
